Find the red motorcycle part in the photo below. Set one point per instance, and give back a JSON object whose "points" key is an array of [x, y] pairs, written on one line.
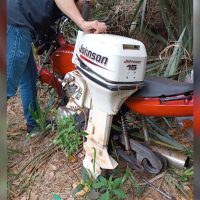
{"points": [[60, 39], [48, 78], [61, 59], [160, 96], [174, 106]]}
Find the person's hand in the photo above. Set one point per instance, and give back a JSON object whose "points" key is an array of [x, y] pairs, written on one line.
{"points": [[70, 9], [93, 26]]}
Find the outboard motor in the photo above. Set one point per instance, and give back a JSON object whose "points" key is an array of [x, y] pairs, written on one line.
{"points": [[109, 68]]}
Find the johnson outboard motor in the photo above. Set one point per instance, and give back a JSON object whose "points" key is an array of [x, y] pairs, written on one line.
{"points": [[110, 68]]}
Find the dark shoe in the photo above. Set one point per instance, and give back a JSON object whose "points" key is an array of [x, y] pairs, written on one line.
{"points": [[33, 131], [30, 128]]}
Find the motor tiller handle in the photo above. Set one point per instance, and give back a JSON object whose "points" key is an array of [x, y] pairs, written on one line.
{"points": [[86, 10]]}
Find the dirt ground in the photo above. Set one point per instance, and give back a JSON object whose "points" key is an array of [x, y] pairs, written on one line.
{"points": [[39, 178]]}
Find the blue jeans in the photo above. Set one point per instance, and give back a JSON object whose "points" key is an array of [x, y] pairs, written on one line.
{"points": [[21, 69]]}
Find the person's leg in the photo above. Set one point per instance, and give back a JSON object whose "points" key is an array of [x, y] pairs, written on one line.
{"points": [[28, 91], [21, 68], [18, 51]]}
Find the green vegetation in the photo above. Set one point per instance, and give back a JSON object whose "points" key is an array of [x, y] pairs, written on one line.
{"points": [[187, 174], [68, 138], [164, 26], [41, 116], [103, 188]]}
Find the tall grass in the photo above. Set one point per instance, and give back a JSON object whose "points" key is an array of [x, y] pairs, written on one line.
{"points": [[163, 25]]}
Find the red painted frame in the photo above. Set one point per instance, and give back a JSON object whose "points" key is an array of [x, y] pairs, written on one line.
{"points": [[155, 107]]}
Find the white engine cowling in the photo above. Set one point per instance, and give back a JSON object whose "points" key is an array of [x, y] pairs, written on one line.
{"points": [[114, 59]]}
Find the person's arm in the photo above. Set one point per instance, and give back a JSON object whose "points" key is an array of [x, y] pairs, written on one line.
{"points": [[68, 7]]}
